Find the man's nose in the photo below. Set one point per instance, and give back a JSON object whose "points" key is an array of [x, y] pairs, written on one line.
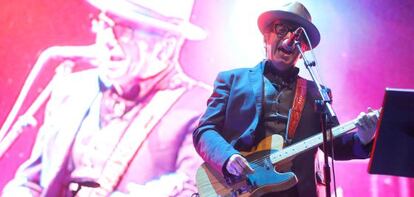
{"points": [[114, 48]]}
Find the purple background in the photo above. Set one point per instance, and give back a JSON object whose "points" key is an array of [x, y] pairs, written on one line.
{"points": [[366, 46]]}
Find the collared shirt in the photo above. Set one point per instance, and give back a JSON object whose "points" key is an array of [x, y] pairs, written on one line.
{"points": [[108, 119], [279, 92]]}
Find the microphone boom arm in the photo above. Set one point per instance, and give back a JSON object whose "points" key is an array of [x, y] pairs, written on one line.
{"points": [[27, 119]]}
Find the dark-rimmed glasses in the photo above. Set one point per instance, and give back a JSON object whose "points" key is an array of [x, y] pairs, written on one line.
{"points": [[281, 29]]}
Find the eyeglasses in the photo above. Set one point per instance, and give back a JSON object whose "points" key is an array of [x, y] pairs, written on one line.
{"points": [[138, 32], [282, 29]]}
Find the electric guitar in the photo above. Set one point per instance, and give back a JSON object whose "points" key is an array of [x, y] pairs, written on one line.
{"points": [[262, 159]]}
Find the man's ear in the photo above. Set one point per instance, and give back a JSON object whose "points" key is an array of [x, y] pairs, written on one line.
{"points": [[265, 38]]}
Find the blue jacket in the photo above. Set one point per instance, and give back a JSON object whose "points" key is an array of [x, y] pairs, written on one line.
{"points": [[234, 112]]}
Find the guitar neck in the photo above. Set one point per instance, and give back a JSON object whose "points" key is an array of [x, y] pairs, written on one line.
{"points": [[310, 142]]}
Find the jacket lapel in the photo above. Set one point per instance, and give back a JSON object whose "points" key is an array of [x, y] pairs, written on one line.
{"points": [[74, 110], [256, 81], [255, 76]]}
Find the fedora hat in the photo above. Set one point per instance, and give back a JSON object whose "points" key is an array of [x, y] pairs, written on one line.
{"points": [[293, 12], [170, 15]]}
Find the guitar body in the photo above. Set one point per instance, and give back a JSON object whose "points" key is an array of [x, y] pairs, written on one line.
{"points": [[265, 178]]}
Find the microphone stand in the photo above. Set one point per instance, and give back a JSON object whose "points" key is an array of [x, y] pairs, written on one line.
{"points": [[27, 119], [11, 129], [62, 52], [328, 116]]}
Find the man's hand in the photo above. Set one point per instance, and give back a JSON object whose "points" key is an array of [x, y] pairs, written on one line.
{"points": [[366, 125], [238, 165]]}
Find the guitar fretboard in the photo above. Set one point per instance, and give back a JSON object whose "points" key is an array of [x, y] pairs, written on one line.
{"points": [[310, 142]]}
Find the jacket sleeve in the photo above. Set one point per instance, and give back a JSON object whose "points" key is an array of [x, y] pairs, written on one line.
{"points": [[349, 147], [208, 136]]}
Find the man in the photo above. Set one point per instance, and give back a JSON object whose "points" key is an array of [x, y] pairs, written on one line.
{"points": [[123, 127], [249, 104]]}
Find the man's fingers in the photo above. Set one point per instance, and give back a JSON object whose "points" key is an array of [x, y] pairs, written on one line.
{"points": [[373, 121], [367, 121], [233, 170], [370, 109], [244, 165], [238, 165], [232, 165], [362, 121], [238, 168], [372, 117]]}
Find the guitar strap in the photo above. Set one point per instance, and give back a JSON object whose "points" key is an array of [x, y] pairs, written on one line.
{"points": [[297, 108], [131, 142]]}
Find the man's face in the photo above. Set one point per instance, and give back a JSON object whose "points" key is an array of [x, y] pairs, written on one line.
{"points": [[134, 52], [278, 32]]}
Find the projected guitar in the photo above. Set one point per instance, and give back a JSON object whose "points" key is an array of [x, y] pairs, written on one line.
{"points": [[262, 159]]}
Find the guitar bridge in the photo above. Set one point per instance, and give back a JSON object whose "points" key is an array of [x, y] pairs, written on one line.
{"points": [[230, 180], [238, 184]]}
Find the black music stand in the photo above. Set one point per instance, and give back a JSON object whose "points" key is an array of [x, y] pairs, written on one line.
{"points": [[393, 150]]}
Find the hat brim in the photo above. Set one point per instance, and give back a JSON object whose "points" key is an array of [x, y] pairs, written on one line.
{"points": [[267, 18], [127, 13]]}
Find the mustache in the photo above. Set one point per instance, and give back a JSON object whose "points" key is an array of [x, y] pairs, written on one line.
{"points": [[277, 46]]}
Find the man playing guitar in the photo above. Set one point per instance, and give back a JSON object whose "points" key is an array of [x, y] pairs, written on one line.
{"points": [[254, 112]]}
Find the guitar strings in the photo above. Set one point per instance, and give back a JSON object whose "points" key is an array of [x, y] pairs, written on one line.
{"points": [[267, 155]]}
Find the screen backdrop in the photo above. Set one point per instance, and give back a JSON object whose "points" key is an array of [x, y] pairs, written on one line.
{"points": [[366, 46]]}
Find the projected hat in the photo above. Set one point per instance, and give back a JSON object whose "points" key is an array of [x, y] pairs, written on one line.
{"points": [[171, 15]]}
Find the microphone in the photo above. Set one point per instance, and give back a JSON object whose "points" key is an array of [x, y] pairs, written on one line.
{"points": [[80, 182], [85, 182], [288, 45]]}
